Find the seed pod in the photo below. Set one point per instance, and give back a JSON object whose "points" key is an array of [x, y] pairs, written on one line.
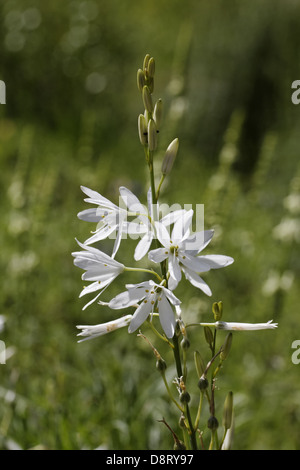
{"points": [[161, 365], [184, 397], [203, 383], [212, 423]]}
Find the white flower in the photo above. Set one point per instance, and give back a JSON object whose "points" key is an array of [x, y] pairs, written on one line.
{"points": [[92, 331], [151, 295], [144, 224], [110, 218], [100, 268], [181, 258], [222, 325]]}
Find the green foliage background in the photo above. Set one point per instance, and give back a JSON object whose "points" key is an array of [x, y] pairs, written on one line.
{"points": [[224, 72]]}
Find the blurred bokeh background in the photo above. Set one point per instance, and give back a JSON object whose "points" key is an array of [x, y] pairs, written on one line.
{"points": [[224, 72]]}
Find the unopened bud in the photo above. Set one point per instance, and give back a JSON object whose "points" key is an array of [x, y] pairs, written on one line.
{"points": [[226, 347], [217, 309], [140, 78], [146, 61], [212, 423], [157, 113], [147, 99], [152, 135], [142, 128], [228, 409], [170, 156], [151, 67]]}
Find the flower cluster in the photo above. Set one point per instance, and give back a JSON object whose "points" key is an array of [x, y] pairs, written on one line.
{"points": [[178, 249], [171, 246]]}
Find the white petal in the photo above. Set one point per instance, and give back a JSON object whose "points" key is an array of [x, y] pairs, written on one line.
{"points": [[93, 331], [216, 261], [196, 281], [96, 198], [128, 298], [172, 283], [181, 229], [174, 267], [101, 234], [166, 316], [158, 255], [90, 215], [131, 201], [171, 297], [162, 234], [143, 246], [194, 263], [198, 241], [221, 325], [140, 315], [172, 217]]}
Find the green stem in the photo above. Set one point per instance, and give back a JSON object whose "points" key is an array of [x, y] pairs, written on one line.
{"points": [[145, 271], [199, 411], [169, 392]]}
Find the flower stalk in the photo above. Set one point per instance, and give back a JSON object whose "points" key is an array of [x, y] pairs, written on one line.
{"points": [[177, 252]]}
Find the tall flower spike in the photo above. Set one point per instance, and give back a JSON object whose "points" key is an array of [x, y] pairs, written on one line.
{"points": [[100, 268]]}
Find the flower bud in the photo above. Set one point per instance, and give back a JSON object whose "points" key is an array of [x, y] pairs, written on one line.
{"points": [[170, 156], [217, 309], [142, 128], [226, 347], [146, 61], [140, 78], [228, 409], [151, 67], [212, 423], [152, 135], [157, 113], [147, 99]]}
